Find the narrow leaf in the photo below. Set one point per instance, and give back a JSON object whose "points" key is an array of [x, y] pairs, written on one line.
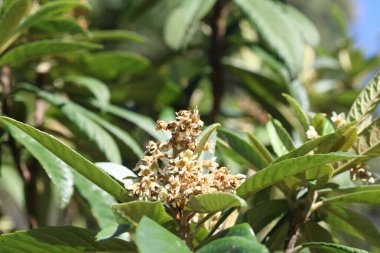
{"points": [[264, 152], [363, 197], [204, 137], [338, 247], [281, 141], [213, 202], [301, 116], [107, 35], [116, 171]]}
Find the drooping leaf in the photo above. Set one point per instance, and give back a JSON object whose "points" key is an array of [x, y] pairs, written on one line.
{"points": [[264, 152], [213, 202], [9, 20], [279, 171], [134, 211], [177, 31], [233, 244], [150, 235], [106, 35], [301, 116], [116, 171], [49, 10], [37, 49], [95, 86], [243, 148], [276, 30], [73, 159], [336, 247], [281, 141], [58, 171], [60, 239], [204, 137], [144, 122], [352, 223], [261, 215], [98, 200], [363, 197]]}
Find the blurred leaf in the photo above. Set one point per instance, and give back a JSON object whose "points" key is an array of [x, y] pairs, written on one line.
{"points": [[365, 103], [142, 121], [98, 200], [336, 247], [243, 230], [321, 174], [134, 211], [281, 141], [73, 159], [52, 9], [277, 172], [10, 19], [213, 202], [37, 49], [95, 86], [261, 215], [53, 26], [243, 148], [185, 17], [264, 152], [60, 239], [276, 29], [321, 124], [233, 244], [363, 197], [106, 35], [313, 232], [151, 235], [58, 171], [204, 137], [109, 65], [352, 223], [301, 116], [116, 171], [232, 154]]}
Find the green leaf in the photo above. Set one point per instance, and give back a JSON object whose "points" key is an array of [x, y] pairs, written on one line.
{"points": [[365, 103], [53, 26], [281, 141], [106, 35], [233, 244], [134, 211], [73, 159], [301, 116], [363, 197], [313, 232], [321, 174], [60, 239], [95, 86], [277, 172], [232, 154], [321, 124], [337, 247], [110, 65], [213, 202], [264, 152], [204, 137], [352, 223], [243, 148], [11, 18], [52, 9], [177, 30], [144, 122], [277, 31], [99, 201], [261, 215], [37, 49], [116, 171], [243, 230], [151, 236], [58, 171]]}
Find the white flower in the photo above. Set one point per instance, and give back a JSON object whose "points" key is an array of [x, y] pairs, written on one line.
{"points": [[338, 119], [311, 133]]}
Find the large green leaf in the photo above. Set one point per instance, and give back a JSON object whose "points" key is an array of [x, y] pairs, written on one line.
{"points": [[134, 211], [177, 31], [37, 49], [95, 86], [276, 30], [244, 148], [109, 65], [144, 122], [335, 247], [11, 18], [150, 236], [73, 159], [277, 172], [49, 10], [261, 215], [213, 202], [366, 103], [116, 171], [99, 201], [60, 239], [233, 244], [58, 171], [352, 223], [281, 141]]}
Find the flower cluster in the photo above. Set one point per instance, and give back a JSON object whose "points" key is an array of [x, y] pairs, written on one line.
{"points": [[172, 171]]}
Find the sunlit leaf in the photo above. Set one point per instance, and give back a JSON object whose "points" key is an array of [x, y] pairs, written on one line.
{"points": [[336, 247], [301, 116], [213, 202], [281, 141]]}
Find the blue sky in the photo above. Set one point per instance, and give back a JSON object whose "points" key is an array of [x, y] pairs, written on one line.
{"points": [[366, 26]]}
